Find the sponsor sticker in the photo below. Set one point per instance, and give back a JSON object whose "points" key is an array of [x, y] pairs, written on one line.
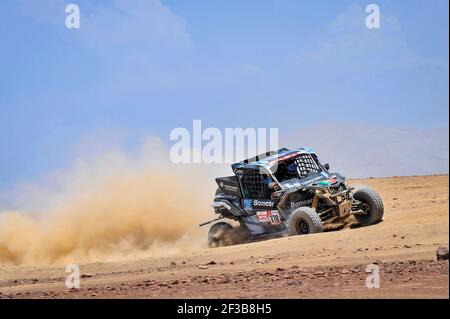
{"points": [[263, 203], [263, 217], [228, 187], [301, 203], [270, 217], [328, 182], [247, 203], [231, 188]]}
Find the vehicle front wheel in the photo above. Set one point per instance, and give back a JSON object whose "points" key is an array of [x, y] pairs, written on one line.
{"points": [[371, 204], [304, 220]]}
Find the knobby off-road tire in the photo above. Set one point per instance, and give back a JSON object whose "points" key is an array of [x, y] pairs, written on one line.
{"points": [[304, 220], [374, 206], [223, 234]]}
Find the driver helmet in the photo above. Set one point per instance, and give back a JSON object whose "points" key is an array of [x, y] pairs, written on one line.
{"points": [[292, 168]]}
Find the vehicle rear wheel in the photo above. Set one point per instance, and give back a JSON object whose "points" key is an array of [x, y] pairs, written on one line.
{"points": [[304, 220], [371, 204], [223, 234]]}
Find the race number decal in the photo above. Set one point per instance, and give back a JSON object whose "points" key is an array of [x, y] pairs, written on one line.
{"points": [[270, 217], [275, 218]]}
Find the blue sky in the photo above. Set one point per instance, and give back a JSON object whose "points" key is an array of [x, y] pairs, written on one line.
{"points": [[139, 68]]}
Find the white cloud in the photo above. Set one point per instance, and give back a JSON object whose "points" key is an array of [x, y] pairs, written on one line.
{"points": [[349, 45], [118, 29], [140, 27]]}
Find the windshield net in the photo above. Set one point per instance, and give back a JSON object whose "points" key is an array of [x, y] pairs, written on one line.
{"points": [[306, 164]]}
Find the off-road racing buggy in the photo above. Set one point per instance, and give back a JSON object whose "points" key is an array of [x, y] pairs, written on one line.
{"points": [[286, 192]]}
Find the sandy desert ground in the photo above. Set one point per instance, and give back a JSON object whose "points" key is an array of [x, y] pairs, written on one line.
{"points": [[326, 265]]}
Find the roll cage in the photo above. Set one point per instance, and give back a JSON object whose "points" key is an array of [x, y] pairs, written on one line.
{"points": [[255, 175]]}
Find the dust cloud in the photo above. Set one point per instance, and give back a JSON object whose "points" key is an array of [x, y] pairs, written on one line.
{"points": [[112, 206]]}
